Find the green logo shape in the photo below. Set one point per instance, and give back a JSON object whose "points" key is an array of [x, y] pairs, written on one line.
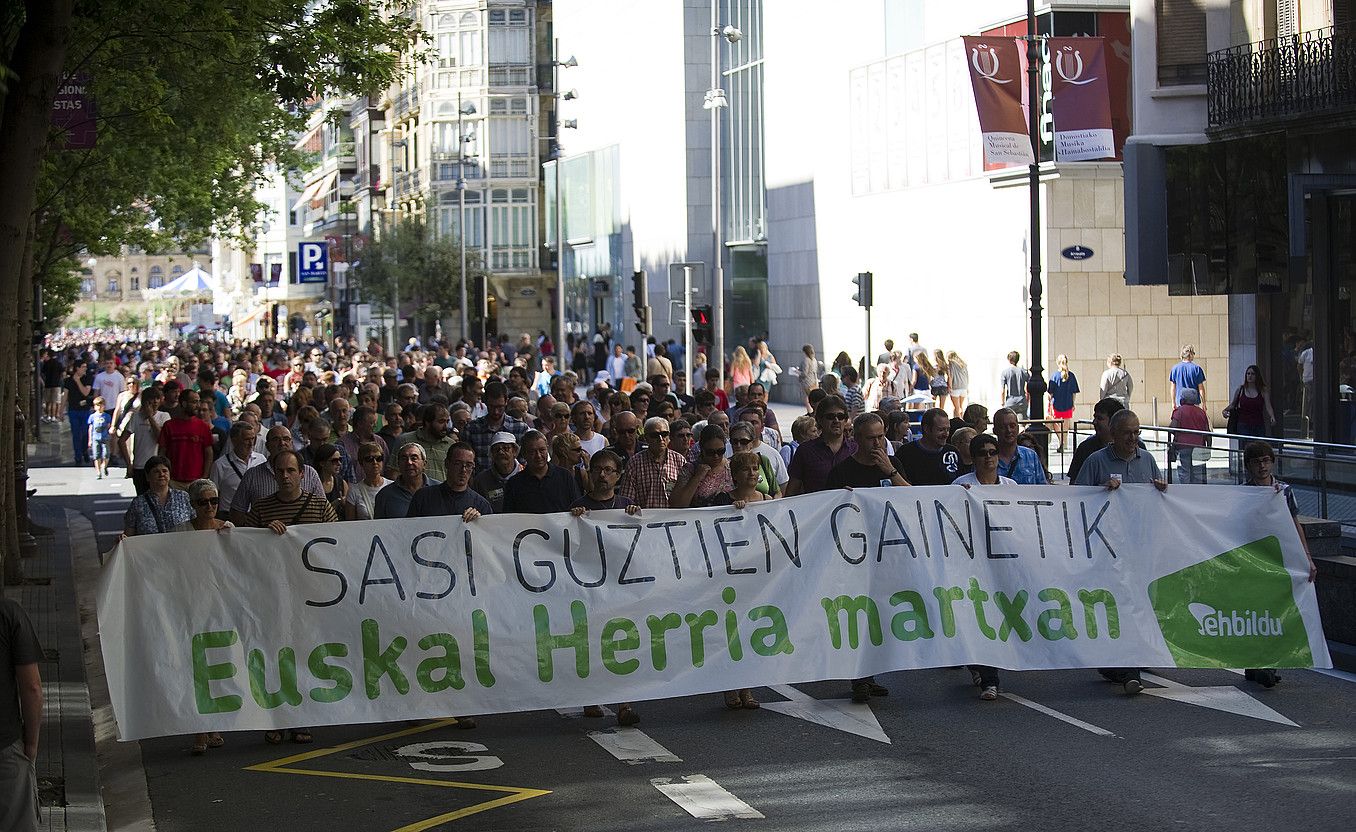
{"points": [[1234, 610]]}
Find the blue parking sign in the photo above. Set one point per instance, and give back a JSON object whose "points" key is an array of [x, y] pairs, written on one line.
{"points": [[313, 263]]}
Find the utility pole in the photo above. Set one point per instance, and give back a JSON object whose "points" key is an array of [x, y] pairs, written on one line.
{"points": [[1036, 386]]}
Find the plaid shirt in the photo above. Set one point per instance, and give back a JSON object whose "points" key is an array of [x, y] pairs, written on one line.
{"points": [[479, 432], [647, 483]]}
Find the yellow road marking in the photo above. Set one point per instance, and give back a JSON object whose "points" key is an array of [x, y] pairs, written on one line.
{"points": [[514, 794]]}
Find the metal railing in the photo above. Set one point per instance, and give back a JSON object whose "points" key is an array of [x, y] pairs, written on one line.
{"points": [[1282, 78], [1322, 474]]}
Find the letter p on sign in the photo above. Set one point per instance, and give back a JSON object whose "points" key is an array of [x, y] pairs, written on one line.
{"points": [[313, 263]]}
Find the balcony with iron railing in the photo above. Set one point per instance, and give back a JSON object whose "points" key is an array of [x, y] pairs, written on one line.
{"points": [[1283, 81]]}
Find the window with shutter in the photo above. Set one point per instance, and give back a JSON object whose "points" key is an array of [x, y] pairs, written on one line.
{"points": [[1287, 18], [1181, 42]]}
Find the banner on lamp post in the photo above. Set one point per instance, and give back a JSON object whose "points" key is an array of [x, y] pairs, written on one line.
{"points": [[1082, 100], [998, 81]]}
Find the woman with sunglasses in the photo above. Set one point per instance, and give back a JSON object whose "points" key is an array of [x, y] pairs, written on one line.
{"points": [[328, 464], [984, 454], [203, 496], [705, 477], [361, 499]]}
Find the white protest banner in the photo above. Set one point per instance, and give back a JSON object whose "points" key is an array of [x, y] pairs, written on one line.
{"points": [[429, 617]]}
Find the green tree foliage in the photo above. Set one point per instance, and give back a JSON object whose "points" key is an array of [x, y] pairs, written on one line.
{"points": [[427, 268]]}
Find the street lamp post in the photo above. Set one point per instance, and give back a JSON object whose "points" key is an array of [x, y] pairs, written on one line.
{"points": [[469, 108], [715, 102], [1036, 386], [556, 65]]}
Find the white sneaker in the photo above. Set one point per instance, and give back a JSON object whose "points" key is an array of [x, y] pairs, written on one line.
{"points": [[989, 694]]}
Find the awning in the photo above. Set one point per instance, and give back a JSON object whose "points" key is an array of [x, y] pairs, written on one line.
{"points": [[326, 185], [307, 195], [252, 316]]}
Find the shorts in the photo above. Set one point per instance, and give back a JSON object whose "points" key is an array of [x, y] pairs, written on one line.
{"points": [[100, 449], [960, 394], [18, 790], [1063, 414], [51, 395]]}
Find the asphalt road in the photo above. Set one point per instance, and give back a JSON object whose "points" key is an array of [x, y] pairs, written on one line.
{"points": [[1200, 750]]}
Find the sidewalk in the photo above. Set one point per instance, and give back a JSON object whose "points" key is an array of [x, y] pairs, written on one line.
{"points": [[68, 777]]}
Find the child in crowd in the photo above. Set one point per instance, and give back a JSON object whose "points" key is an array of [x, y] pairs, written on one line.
{"points": [[100, 423]]}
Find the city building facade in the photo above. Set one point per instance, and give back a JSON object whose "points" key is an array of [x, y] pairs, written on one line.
{"points": [[846, 153], [1243, 174]]}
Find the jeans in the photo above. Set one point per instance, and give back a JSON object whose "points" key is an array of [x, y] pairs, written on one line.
{"points": [[1188, 469], [80, 435]]}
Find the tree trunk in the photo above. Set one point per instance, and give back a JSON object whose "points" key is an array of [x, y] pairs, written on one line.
{"points": [[36, 65]]}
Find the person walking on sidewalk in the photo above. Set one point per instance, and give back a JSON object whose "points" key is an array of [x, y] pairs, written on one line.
{"points": [[142, 427], [99, 423], [79, 401], [187, 441], [20, 719]]}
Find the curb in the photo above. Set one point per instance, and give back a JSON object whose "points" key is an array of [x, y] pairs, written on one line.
{"points": [[126, 797]]}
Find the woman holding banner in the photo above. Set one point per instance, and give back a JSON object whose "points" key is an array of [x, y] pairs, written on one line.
{"points": [[203, 496], [746, 471], [984, 455], [161, 508]]}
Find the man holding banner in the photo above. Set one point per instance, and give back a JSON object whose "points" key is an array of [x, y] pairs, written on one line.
{"points": [[1123, 461], [868, 467]]}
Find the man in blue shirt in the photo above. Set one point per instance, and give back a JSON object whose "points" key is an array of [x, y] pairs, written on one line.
{"points": [[1019, 464], [1187, 375]]}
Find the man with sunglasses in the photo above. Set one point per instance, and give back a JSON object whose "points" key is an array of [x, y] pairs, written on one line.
{"points": [[815, 458], [625, 428], [651, 474]]}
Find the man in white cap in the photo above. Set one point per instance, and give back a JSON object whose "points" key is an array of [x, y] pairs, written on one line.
{"points": [[490, 482]]}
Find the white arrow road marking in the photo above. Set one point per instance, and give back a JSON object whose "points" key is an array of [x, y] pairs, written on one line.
{"points": [[702, 798], [839, 714], [1061, 716], [1336, 674], [630, 745], [1226, 698]]}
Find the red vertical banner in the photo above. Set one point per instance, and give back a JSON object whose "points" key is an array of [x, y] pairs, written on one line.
{"points": [[998, 81], [1081, 106]]}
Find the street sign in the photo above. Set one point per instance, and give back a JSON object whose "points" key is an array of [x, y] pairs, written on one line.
{"points": [[313, 263], [677, 279], [1076, 253]]}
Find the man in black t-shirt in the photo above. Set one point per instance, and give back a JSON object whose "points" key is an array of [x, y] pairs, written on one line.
{"points": [[930, 460], [20, 718], [453, 497], [869, 467]]}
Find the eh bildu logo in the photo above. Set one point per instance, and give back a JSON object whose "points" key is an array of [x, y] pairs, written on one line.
{"points": [[984, 59], [1219, 624], [1236, 609], [1076, 57]]}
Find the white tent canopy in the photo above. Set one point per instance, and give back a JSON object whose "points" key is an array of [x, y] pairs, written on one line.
{"points": [[193, 283]]}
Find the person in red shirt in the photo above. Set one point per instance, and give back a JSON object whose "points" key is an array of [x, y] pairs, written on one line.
{"points": [[187, 441]]}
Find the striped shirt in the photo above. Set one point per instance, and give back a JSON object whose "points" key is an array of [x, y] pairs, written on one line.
{"points": [[308, 508]]}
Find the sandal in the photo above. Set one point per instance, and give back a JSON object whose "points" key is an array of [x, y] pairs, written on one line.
{"points": [[273, 737], [593, 711], [215, 740], [626, 715], [301, 736], [199, 745], [747, 701], [732, 700]]}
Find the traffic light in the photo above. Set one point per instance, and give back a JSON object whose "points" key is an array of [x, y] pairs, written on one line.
{"points": [[701, 325], [863, 283], [640, 290], [640, 300]]}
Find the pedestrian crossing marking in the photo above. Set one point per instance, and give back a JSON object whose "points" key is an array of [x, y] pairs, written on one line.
{"points": [[511, 794]]}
